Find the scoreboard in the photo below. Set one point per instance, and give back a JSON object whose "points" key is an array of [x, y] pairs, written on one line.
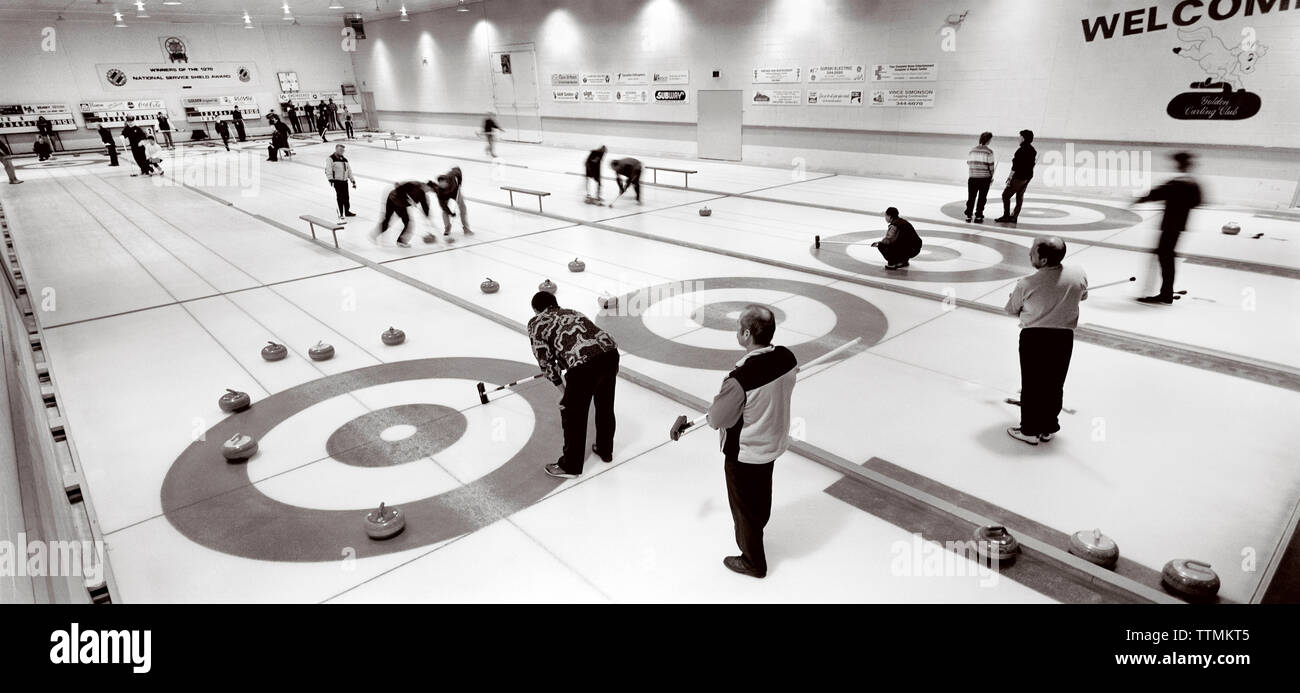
{"points": [[114, 113], [21, 118], [207, 109]]}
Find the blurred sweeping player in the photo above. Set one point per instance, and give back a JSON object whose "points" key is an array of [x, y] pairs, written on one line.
{"points": [[627, 173], [402, 196], [448, 188], [1180, 195], [582, 360], [594, 160]]}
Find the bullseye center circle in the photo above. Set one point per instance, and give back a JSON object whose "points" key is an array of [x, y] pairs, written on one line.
{"points": [[396, 435], [393, 434]]}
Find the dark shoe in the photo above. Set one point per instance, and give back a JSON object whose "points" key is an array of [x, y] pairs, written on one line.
{"points": [[14, 182], [1004, 219], [558, 472], [978, 220], [740, 565], [903, 264], [1019, 435], [891, 266], [604, 456], [1157, 300], [967, 218], [403, 244], [1046, 437], [350, 214]]}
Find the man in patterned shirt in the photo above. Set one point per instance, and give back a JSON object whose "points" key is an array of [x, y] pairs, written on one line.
{"points": [[566, 340]]}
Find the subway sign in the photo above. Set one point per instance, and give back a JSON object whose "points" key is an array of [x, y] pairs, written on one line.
{"points": [[670, 95]]}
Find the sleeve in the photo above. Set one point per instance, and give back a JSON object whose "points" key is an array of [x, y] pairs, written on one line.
{"points": [[544, 355], [424, 202], [891, 235], [727, 405], [1157, 193], [329, 163], [442, 202], [1083, 280], [1016, 301]]}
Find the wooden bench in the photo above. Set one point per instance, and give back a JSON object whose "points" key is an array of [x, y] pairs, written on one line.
{"points": [[313, 222], [395, 140], [686, 173], [525, 191]]}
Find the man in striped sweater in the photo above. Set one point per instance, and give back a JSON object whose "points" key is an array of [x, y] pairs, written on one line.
{"points": [[980, 164], [752, 410]]}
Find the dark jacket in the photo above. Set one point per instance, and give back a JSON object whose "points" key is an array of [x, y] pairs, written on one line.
{"points": [[453, 190], [563, 338], [593, 163], [627, 166], [134, 135], [1180, 196], [410, 192], [1022, 164], [902, 233]]}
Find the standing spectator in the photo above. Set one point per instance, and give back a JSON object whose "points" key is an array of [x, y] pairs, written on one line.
{"points": [[322, 114], [980, 164], [1180, 195], [279, 141], [1022, 171], [292, 111], [322, 123], [334, 114], [593, 171], [627, 173], [223, 129], [237, 117], [9, 167], [582, 360], [347, 125], [307, 111], [1047, 303], [109, 146], [901, 242], [42, 147], [752, 410], [339, 172], [448, 188], [135, 137], [490, 126], [165, 128], [45, 127]]}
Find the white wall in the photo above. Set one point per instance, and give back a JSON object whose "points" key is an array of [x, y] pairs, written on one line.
{"points": [[69, 74]]}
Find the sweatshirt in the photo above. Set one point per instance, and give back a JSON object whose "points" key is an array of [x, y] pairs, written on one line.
{"points": [[752, 409], [337, 167]]}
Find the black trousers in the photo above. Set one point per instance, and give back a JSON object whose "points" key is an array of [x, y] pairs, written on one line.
{"points": [[112, 154], [895, 253], [137, 153], [391, 208], [594, 174], [977, 188], [225, 140], [1044, 361], [592, 381], [1165, 254], [239, 128], [341, 196], [347, 125], [633, 182], [749, 490], [1016, 188]]}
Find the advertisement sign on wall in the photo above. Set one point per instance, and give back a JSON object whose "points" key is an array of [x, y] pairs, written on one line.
{"points": [[596, 95], [564, 94], [909, 98], [837, 73], [672, 77], [834, 97], [904, 72], [588, 79], [153, 75], [776, 75], [564, 79], [633, 78], [776, 97], [632, 96], [672, 96]]}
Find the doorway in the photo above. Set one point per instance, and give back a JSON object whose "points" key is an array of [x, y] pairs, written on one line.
{"points": [[717, 130], [515, 93]]}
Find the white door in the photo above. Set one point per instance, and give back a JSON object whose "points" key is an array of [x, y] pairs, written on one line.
{"points": [[515, 93], [717, 129]]}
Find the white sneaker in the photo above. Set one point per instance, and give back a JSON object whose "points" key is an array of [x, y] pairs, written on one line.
{"points": [[403, 244], [343, 220], [1015, 432], [1046, 437]]}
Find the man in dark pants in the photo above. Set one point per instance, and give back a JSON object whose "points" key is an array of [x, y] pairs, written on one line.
{"points": [[165, 128], [1022, 171], [292, 112], [752, 410], [401, 197], [339, 172], [593, 171], [109, 145], [1047, 303], [135, 138], [1180, 195], [901, 242], [448, 189], [979, 164], [223, 129], [238, 118], [489, 127], [627, 173], [8, 166], [582, 360], [307, 114]]}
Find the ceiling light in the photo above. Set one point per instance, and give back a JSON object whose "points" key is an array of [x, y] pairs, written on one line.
{"points": [[171, 2], [288, 17], [404, 17], [140, 11], [248, 21], [119, 24], [335, 5], [460, 7], [59, 18]]}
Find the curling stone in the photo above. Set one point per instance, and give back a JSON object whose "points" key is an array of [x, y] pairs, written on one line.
{"points": [[1232, 228], [241, 446], [234, 400], [321, 352], [577, 265], [995, 542], [489, 286], [385, 522], [274, 352], [548, 286], [607, 302], [1095, 547], [705, 212], [1190, 578], [393, 336]]}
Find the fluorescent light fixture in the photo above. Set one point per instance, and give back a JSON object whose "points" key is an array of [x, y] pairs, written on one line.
{"points": [[171, 2], [119, 24], [140, 11], [288, 17], [335, 5], [460, 7], [404, 17], [248, 21]]}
